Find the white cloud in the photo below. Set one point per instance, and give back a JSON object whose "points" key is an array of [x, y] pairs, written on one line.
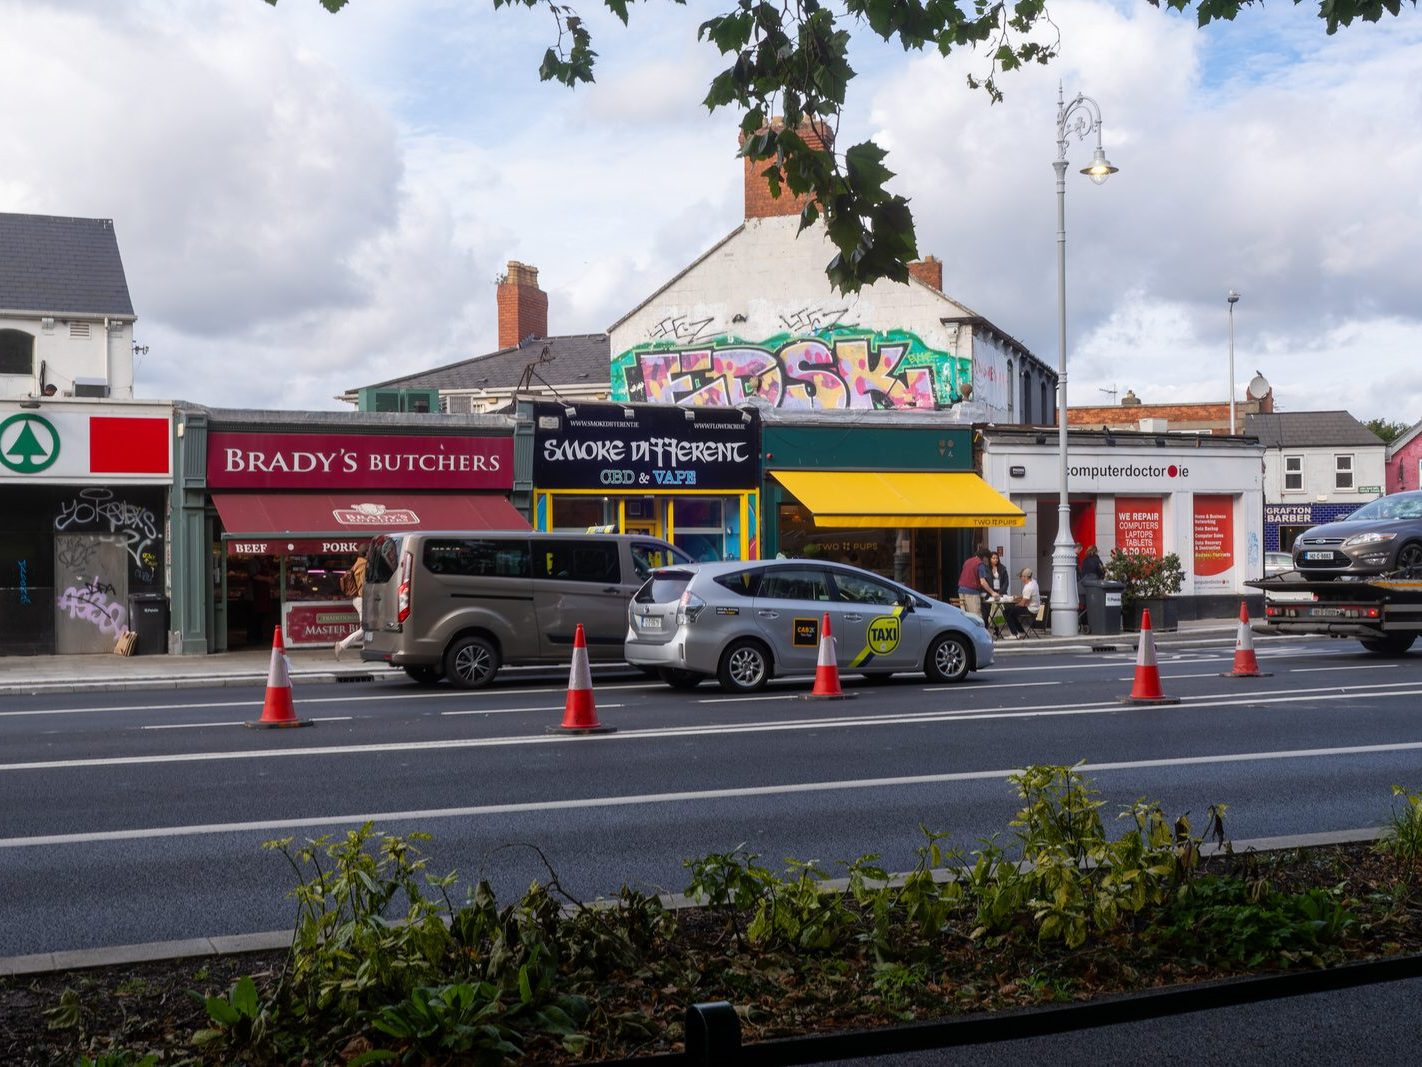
{"points": [[306, 203]]}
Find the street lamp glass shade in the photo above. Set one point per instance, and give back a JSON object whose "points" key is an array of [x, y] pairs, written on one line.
{"points": [[1100, 168]]}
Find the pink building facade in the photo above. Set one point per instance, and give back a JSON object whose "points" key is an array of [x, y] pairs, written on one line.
{"points": [[1404, 461]]}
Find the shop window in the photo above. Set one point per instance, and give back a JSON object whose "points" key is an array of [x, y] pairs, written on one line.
{"points": [[1343, 472], [477, 558], [794, 583], [579, 561], [698, 513], [17, 352], [577, 512], [856, 590], [870, 550], [1293, 474]]}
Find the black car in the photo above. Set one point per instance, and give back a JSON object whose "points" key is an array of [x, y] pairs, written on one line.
{"points": [[1382, 537]]}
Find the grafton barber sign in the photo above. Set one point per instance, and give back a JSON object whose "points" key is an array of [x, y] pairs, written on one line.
{"points": [[351, 461]]}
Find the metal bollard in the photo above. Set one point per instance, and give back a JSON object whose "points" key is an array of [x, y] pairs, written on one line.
{"points": [[713, 1034]]}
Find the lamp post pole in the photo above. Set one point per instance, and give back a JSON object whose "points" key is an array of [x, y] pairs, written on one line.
{"points": [[1081, 117], [1232, 299]]}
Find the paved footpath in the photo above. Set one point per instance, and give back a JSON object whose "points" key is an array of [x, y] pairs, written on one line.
{"points": [[77, 674]]}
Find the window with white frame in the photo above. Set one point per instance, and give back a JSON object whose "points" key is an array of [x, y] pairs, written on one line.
{"points": [[1343, 472], [1293, 474]]}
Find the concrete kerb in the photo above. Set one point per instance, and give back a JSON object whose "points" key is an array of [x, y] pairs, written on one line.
{"points": [[278, 940]]}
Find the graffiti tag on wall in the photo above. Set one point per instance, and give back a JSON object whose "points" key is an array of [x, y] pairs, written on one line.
{"points": [[831, 368], [90, 602], [97, 507], [24, 581]]}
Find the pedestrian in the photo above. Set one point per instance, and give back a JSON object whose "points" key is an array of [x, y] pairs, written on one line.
{"points": [[970, 593], [353, 586], [1025, 607], [1091, 565], [993, 580]]}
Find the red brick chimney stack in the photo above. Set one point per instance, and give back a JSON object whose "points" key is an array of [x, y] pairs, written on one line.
{"points": [[759, 203], [928, 270], [523, 307]]}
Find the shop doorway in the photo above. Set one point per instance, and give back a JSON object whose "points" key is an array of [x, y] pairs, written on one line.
{"points": [[1083, 532], [91, 578], [253, 600]]}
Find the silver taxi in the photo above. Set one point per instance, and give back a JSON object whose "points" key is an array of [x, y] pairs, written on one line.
{"points": [[743, 622]]}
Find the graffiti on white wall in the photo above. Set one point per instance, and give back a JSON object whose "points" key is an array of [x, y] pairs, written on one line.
{"points": [[830, 368]]}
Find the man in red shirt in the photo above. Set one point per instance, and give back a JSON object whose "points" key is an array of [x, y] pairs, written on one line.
{"points": [[970, 592]]}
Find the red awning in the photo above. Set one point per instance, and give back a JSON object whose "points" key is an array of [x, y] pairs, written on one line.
{"points": [[273, 517]]}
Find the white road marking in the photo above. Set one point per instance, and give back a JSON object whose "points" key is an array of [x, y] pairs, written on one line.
{"points": [[200, 725], [743, 700], [1359, 667], [1280, 696], [983, 687], [698, 796], [506, 711]]}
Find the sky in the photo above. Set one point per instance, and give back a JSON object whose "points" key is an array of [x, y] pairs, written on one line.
{"points": [[307, 202]]}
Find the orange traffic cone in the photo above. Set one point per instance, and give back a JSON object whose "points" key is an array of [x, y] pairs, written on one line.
{"points": [[580, 712], [827, 670], [277, 710], [1146, 689], [1246, 664]]}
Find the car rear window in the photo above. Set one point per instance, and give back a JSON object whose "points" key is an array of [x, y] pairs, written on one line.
{"points": [[382, 559], [664, 587], [743, 583]]}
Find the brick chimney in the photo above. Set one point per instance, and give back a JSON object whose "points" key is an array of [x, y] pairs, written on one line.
{"points": [[759, 203], [523, 307], [928, 270]]}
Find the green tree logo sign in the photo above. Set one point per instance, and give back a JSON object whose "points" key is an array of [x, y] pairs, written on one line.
{"points": [[28, 443]]}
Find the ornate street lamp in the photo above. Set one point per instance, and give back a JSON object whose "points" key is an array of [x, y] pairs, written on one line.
{"points": [[1081, 117]]}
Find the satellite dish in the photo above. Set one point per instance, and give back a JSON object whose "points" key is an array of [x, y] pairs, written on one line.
{"points": [[1259, 387]]}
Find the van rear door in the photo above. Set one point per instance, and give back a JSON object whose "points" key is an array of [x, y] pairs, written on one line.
{"points": [[380, 608], [579, 580]]}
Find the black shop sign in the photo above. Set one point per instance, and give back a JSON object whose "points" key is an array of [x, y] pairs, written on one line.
{"points": [[643, 448]]}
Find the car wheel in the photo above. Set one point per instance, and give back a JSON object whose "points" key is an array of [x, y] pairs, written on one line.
{"points": [[680, 679], [424, 675], [1391, 645], [471, 663], [878, 677], [948, 659], [1409, 558], [745, 667]]}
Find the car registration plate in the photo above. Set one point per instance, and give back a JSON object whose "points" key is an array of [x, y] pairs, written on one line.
{"points": [[1318, 555], [650, 622], [1326, 613]]}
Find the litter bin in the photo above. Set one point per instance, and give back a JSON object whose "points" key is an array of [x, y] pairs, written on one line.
{"points": [[148, 617], [1103, 605]]}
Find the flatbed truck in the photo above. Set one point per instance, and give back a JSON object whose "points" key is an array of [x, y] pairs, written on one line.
{"points": [[1384, 613]]}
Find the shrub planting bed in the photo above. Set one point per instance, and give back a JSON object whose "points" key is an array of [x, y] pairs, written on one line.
{"points": [[388, 966]]}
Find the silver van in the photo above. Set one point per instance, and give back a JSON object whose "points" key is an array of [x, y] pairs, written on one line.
{"points": [[460, 604]]}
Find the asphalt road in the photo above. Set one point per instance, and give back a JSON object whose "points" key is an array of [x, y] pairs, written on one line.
{"points": [[131, 817]]}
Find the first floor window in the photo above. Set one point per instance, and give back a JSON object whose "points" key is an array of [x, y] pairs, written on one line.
{"points": [[17, 352], [1343, 472], [1293, 473]]}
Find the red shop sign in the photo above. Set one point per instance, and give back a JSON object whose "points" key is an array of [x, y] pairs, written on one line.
{"points": [[319, 623], [357, 461]]}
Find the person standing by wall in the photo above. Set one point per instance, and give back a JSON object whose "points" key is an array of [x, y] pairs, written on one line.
{"points": [[353, 586], [1091, 565], [992, 577]]}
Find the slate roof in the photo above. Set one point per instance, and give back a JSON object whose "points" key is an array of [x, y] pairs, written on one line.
{"points": [[1309, 429], [61, 266], [574, 359]]}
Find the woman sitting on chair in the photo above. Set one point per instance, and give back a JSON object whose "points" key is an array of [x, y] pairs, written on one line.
{"points": [[1024, 607]]}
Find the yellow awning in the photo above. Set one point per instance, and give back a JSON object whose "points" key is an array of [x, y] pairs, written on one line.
{"points": [[900, 498]]}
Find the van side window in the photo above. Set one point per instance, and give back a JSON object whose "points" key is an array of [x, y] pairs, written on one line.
{"points": [[578, 561], [647, 556], [382, 559], [477, 558]]}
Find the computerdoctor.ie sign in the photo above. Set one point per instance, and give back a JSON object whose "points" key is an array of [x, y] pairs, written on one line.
{"points": [[644, 448]]}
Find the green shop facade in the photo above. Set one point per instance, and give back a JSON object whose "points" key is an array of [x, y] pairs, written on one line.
{"points": [[894, 493]]}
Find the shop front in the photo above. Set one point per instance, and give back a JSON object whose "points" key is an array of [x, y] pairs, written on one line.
{"points": [[885, 492], [83, 525], [1197, 496], [294, 510], [689, 476], [1284, 522]]}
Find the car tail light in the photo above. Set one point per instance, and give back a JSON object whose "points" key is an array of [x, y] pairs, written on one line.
{"points": [[403, 601], [688, 608]]}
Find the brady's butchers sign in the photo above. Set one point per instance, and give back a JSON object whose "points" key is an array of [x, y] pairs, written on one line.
{"points": [[357, 461], [644, 448]]}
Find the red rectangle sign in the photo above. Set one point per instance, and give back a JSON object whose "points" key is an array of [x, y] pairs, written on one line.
{"points": [[357, 461], [1139, 525], [128, 445], [1214, 541]]}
